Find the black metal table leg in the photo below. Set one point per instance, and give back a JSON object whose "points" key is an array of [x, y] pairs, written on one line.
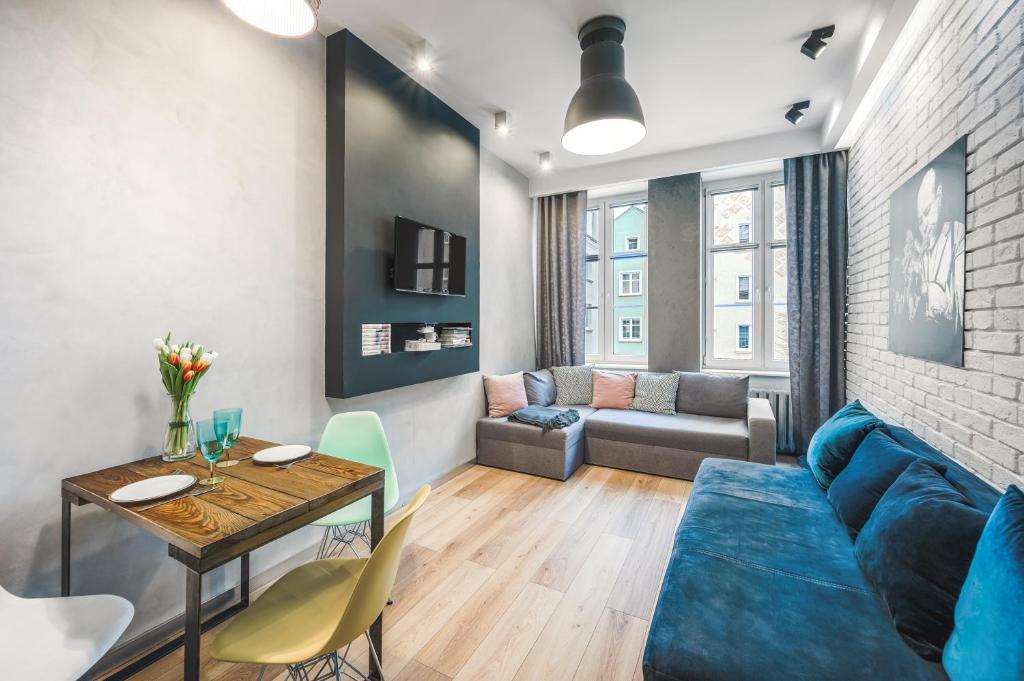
{"points": [[193, 626], [376, 534], [243, 586], [65, 547]]}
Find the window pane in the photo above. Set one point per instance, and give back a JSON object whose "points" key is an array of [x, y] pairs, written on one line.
{"points": [[730, 210], [593, 228], [780, 323], [593, 300], [729, 313], [778, 212], [742, 337], [629, 221], [742, 287]]}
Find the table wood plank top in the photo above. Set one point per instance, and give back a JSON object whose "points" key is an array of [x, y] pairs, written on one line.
{"points": [[252, 499]]}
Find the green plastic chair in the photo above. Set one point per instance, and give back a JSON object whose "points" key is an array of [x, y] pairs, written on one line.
{"points": [[356, 436]]}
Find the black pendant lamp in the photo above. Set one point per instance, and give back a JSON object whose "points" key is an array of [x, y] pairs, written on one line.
{"points": [[604, 115]]}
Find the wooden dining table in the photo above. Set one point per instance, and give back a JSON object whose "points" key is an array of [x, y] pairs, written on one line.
{"points": [[255, 505]]}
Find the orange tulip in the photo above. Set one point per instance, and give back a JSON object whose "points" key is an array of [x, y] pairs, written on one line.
{"points": [[185, 366], [187, 376], [172, 359], [199, 366]]}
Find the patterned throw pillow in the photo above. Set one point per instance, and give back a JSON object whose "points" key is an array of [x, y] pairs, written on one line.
{"points": [[573, 385], [656, 393]]}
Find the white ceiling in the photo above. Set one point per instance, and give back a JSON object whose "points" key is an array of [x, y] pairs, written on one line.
{"points": [[706, 72]]}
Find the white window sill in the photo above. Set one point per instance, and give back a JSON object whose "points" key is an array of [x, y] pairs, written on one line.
{"points": [[746, 372]]}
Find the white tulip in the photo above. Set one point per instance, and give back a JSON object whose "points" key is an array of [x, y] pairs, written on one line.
{"points": [[207, 358], [158, 344], [175, 348]]}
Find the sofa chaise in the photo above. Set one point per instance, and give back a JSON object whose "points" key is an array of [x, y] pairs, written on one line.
{"points": [[763, 583]]}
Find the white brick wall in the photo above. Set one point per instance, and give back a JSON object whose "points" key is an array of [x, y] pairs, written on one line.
{"points": [[962, 75]]}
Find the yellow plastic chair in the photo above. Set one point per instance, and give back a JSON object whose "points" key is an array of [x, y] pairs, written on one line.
{"points": [[318, 608]]}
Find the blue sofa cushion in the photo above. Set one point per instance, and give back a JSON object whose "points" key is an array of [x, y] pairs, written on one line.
{"points": [[763, 585], [876, 464], [838, 438], [916, 548], [988, 635], [981, 494]]}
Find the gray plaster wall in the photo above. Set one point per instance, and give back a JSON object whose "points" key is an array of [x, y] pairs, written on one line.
{"points": [[162, 168], [673, 226]]}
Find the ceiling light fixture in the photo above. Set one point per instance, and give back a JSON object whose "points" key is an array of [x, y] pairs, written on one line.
{"points": [[604, 115], [815, 44], [501, 122], [544, 160], [796, 112], [285, 18], [421, 56]]}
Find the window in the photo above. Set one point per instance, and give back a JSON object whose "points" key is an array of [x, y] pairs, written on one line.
{"points": [[629, 330], [616, 268], [629, 283], [743, 338], [745, 274], [742, 288]]}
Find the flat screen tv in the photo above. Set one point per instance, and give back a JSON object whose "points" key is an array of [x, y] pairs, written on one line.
{"points": [[429, 260]]}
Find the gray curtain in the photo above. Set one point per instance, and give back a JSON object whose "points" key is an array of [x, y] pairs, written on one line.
{"points": [[816, 262], [561, 277]]}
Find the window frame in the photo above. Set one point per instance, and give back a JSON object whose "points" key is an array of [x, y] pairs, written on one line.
{"points": [[639, 326], [739, 347], [762, 246], [739, 290], [627, 249], [605, 316], [639, 283]]}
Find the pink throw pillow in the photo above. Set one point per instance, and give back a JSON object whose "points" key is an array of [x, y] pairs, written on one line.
{"points": [[613, 390], [505, 394]]}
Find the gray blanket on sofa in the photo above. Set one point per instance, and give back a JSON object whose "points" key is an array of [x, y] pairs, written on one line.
{"points": [[545, 418]]}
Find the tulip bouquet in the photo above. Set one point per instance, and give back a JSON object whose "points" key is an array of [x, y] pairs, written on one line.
{"points": [[182, 365]]}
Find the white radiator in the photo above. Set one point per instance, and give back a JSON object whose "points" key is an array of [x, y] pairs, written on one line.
{"points": [[783, 418]]}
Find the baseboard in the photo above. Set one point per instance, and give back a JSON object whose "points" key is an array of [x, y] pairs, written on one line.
{"points": [[124, 653]]}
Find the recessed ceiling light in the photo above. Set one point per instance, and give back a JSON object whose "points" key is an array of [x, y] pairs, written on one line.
{"points": [[285, 18], [795, 112], [544, 160], [421, 56], [604, 115], [501, 122], [815, 44]]}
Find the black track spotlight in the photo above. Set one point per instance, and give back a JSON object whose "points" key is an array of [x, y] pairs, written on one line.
{"points": [[796, 112], [815, 44]]}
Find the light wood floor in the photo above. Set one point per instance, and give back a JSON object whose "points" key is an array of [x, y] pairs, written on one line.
{"points": [[511, 577]]}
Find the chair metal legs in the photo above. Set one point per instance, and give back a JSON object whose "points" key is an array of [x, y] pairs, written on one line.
{"points": [[333, 667], [323, 668], [338, 537]]}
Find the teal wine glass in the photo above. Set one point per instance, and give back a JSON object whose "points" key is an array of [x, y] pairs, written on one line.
{"points": [[228, 424], [211, 447]]}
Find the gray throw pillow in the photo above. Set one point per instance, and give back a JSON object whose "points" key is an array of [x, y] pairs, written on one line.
{"points": [[713, 395], [540, 387], [656, 393], [573, 385]]}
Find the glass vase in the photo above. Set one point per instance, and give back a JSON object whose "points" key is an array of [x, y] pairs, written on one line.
{"points": [[180, 440]]}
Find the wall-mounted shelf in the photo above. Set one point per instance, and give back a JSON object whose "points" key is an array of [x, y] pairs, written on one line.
{"points": [[384, 338]]}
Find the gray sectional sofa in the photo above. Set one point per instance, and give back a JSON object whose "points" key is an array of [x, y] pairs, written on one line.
{"points": [[738, 427]]}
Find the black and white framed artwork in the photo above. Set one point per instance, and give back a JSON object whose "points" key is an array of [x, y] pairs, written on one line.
{"points": [[927, 218]]}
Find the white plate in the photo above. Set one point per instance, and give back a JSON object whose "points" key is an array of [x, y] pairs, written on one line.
{"points": [[281, 454], [152, 488]]}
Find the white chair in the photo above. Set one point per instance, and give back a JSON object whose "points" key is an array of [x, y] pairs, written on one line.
{"points": [[58, 638]]}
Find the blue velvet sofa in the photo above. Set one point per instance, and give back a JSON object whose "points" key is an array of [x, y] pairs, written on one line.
{"points": [[763, 584]]}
